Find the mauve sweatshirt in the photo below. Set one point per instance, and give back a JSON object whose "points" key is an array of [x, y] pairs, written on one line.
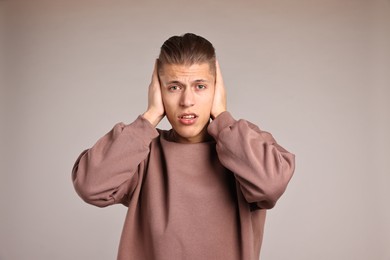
{"points": [[187, 201]]}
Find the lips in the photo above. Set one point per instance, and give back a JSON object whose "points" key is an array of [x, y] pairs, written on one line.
{"points": [[188, 118]]}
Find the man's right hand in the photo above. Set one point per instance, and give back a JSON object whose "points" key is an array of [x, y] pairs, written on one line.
{"points": [[155, 112]]}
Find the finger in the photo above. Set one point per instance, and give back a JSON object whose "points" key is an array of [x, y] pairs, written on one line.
{"points": [[218, 78], [155, 72]]}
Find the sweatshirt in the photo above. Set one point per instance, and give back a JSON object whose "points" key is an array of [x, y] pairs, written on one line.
{"points": [[187, 201]]}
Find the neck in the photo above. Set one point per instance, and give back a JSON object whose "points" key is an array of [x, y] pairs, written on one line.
{"points": [[203, 136]]}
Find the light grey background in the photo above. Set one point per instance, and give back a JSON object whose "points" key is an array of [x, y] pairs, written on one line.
{"points": [[314, 73]]}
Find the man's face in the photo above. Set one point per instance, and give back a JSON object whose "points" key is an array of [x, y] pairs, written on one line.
{"points": [[187, 93]]}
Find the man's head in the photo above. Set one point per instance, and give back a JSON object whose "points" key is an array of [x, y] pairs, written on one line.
{"points": [[187, 49], [187, 68]]}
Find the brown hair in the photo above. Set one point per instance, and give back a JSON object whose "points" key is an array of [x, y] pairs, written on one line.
{"points": [[187, 49]]}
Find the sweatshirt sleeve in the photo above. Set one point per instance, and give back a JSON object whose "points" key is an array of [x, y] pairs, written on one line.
{"points": [[107, 173], [261, 166]]}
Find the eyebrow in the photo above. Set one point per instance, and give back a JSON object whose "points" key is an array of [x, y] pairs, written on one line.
{"points": [[196, 81], [174, 82], [201, 81]]}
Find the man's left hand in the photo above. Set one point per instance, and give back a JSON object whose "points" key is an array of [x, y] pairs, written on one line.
{"points": [[219, 102]]}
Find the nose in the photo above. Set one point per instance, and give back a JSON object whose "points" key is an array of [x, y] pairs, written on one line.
{"points": [[187, 98]]}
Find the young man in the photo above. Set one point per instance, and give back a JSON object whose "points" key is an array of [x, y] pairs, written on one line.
{"points": [[199, 190]]}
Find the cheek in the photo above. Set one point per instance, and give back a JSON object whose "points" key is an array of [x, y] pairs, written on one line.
{"points": [[206, 105], [165, 99], [209, 101], [168, 104]]}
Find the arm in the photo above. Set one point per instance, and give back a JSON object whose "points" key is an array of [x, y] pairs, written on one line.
{"points": [[108, 172], [261, 166]]}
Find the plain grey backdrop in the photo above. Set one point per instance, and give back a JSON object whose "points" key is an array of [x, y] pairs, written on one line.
{"points": [[313, 73]]}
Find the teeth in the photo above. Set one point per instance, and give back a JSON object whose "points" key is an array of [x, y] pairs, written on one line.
{"points": [[188, 117]]}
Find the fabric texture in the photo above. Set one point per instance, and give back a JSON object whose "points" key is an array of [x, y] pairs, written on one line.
{"points": [[187, 201]]}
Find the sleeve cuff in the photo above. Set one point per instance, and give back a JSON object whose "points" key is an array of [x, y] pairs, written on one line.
{"points": [[146, 131], [221, 122]]}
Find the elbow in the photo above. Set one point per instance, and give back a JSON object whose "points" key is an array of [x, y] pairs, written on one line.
{"points": [[267, 191], [265, 195], [90, 196], [278, 185], [88, 192], [271, 195]]}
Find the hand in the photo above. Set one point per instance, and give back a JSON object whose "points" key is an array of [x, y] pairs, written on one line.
{"points": [[219, 102], [155, 112]]}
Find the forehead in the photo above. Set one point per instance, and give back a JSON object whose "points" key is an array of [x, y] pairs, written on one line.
{"points": [[194, 71]]}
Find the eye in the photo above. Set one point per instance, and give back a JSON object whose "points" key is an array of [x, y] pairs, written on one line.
{"points": [[200, 86], [173, 88]]}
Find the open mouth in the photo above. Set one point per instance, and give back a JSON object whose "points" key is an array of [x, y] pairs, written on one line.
{"points": [[188, 116]]}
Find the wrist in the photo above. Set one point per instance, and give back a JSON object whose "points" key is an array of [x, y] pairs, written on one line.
{"points": [[214, 115], [152, 117]]}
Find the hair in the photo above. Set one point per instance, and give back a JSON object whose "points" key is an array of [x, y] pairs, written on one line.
{"points": [[187, 49]]}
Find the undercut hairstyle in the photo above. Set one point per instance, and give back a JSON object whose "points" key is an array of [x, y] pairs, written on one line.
{"points": [[187, 49]]}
